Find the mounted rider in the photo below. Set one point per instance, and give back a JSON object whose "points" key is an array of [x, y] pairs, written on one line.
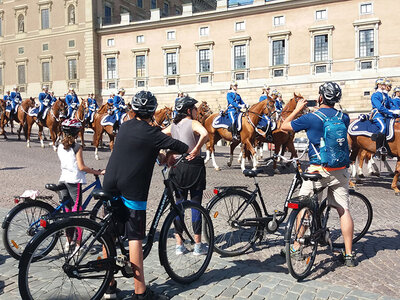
{"points": [[381, 110], [7, 99], [45, 102], [396, 98], [53, 98], [72, 101], [179, 96], [278, 104], [265, 121], [16, 99], [92, 107], [264, 93], [235, 103]]}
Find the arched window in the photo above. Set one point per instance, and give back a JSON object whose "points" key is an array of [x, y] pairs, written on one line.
{"points": [[21, 27], [71, 14]]}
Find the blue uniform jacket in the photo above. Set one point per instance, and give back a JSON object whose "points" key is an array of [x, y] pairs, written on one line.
{"points": [[44, 96], [15, 96], [118, 101], [92, 103], [262, 98], [381, 103], [395, 103], [234, 100], [278, 105]]}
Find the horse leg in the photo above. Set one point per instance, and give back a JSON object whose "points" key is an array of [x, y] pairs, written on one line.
{"points": [[96, 140], [396, 179], [40, 134], [212, 151], [207, 153], [82, 133], [391, 173], [276, 151], [232, 148], [53, 136]]}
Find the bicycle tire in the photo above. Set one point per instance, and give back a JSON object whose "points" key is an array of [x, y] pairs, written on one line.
{"points": [[48, 278], [96, 211], [231, 239], [188, 266], [16, 245], [301, 256], [361, 212]]}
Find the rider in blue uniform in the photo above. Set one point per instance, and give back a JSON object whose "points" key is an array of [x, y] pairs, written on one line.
{"points": [[235, 103], [7, 99], [119, 107], [381, 106], [53, 98], [72, 101], [278, 104], [263, 124], [396, 99], [45, 101], [16, 99], [92, 106], [179, 96]]}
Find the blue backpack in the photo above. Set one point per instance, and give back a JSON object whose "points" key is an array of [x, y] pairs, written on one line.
{"points": [[334, 149]]}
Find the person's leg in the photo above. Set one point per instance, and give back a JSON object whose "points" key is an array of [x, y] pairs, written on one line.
{"points": [[196, 196], [136, 259], [180, 195]]}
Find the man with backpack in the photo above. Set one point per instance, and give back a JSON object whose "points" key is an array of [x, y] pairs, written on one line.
{"points": [[329, 155]]}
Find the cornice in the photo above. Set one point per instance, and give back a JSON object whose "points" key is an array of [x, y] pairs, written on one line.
{"points": [[169, 47], [240, 11], [134, 50], [366, 22], [321, 27], [279, 33], [204, 43]]}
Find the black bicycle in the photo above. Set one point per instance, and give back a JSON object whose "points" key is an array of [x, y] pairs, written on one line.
{"points": [[22, 222], [310, 224], [239, 221], [85, 271]]}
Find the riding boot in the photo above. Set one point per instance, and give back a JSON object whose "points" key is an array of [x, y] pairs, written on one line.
{"points": [[115, 127], [381, 150], [40, 115], [235, 135]]}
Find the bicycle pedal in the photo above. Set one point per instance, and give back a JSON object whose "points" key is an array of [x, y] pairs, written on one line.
{"points": [[121, 260]]}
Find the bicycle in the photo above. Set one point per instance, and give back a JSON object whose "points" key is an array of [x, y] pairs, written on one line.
{"points": [[23, 221], [239, 221], [87, 273]]}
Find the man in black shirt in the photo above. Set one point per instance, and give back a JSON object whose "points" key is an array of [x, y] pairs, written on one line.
{"points": [[129, 173]]}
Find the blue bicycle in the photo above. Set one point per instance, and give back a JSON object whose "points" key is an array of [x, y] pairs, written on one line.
{"points": [[22, 222]]}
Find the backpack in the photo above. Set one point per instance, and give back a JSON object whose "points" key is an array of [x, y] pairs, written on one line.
{"points": [[334, 149]]}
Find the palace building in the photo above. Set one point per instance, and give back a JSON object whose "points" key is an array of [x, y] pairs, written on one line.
{"points": [[200, 47]]}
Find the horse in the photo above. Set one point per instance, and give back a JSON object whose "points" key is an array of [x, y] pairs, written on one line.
{"points": [[162, 117], [80, 115], [203, 112], [20, 116], [57, 112], [250, 120], [360, 142]]}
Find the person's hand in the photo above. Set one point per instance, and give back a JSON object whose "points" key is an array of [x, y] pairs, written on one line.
{"points": [[170, 159], [193, 154], [301, 104], [395, 111], [103, 172]]}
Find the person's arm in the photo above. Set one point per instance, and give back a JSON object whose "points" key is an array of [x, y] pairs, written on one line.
{"points": [[202, 132], [286, 125], [379, 104], [83, 167], [231, 99]]}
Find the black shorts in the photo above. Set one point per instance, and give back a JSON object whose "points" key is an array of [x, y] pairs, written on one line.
{"points": [[135, 227]]}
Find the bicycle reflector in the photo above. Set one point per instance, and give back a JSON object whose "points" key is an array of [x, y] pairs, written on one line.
{"points": [[43, 223], [215, 191], [16, 200], [293, 205]]}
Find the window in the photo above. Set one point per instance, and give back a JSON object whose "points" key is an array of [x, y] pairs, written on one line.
{"points": [[153, 4], [71, 43], [366, 8], [140, 66], [279, 21], [239, 76], [112, 85], [320, 69], [278, 52], [72, 69], [367, 93], [321, 47], [165, 11], [278, 72], [1, 26], [45, 18], [177, 11], [204, 31], [21, 74], [107, 14], [45, 47], [111, 68], [366, 65], [141, 83], [110, 42], [204, 79], [171, 63], [240, 57], [45, 71], [321, 15], [171, 35], [140, 39], [71, 15], [140, 3], [21, 25], [21, 50], [204, 60], [240, 26], [171, 81], [366, 45]]}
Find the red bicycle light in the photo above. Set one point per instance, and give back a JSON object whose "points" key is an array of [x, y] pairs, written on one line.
{"points": [[215, 191], [43, 223], [293, 205], [16, 200]]}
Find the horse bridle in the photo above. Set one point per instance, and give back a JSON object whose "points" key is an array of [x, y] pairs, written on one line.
{"points": [[166, 118]]}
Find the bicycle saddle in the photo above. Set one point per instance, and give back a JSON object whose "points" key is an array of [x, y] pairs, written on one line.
{"points": [[101, 194], [252, 173], [311, 176], [55, 187]]}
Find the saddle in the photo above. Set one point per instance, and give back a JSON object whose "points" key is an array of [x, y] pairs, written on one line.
{"points": [[365, 127], [223, 121]]}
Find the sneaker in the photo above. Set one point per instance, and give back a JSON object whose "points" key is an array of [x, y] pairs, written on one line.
{"points": [[69, 245], [350, 260], [111, 292], [296, 254], [181, 249], [200, 249], [149, 295]]}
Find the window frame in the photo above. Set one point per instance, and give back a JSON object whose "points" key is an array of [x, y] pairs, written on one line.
{"points": [[169, 77], [361, 25], [46, 59], [106, 55], [321, 10], [207, 29], [244, 71], [207, 45], [45, 5], [69, 56], [108, 42], [141, 52], [326, 30], [21, 10], [22, 62], [276, 36], [281, 17], [140, 39], [1, 23], [366, 4], [173, 32], [240, 29]]}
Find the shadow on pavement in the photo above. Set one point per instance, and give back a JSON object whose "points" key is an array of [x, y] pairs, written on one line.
{"points": [[11, 168]]}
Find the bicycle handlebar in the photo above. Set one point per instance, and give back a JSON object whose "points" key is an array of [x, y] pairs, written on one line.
{"points": [[294, 159]]}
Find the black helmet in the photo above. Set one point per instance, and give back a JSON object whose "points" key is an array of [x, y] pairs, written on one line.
{"points": [[144, 103], [71, 127], [330, 92], [184, 103]]}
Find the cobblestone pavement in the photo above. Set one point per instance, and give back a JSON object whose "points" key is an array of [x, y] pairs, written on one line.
{"points": [[261, 273]]}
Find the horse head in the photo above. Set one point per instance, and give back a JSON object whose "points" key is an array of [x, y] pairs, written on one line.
{"points": [[203, 111], [60, 108], [162, 117], [291, 105]]}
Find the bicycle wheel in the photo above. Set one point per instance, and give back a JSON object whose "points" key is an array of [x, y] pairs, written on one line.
{"points": [[21, 224], [299, 237], [361, 212], [187, 262], [227, 212], [68, 273]]}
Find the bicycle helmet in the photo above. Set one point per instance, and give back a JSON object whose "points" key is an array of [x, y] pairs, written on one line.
{"points": [[184, 103], [330, 92], [144, 103], [71, 127]]}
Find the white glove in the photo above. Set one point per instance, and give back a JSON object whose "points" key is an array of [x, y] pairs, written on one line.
{"points": [[395, 111]]}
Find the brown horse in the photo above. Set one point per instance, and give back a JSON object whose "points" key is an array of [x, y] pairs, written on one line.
{"points": [[162, 117], [20, 116], [54, 117], [203, 112], [250, 120], [358, 143], [80, 115]]}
